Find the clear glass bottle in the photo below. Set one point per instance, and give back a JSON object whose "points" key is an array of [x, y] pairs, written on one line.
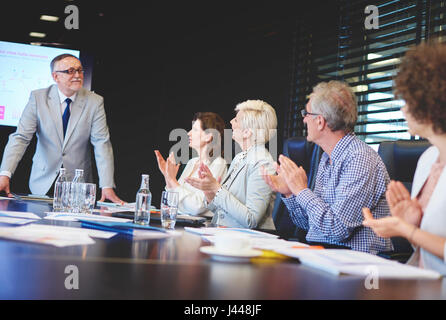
{"points": [[57, 198], [143, 202], [75, 190]]}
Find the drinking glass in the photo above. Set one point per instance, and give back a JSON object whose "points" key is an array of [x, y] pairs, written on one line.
{"points": [[169, 208], [66, 196], [87, 197]]}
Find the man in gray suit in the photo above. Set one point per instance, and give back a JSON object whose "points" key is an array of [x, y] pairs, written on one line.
{"points": [[68, 120]]}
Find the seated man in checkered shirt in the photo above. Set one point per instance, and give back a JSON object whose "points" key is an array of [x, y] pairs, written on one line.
{"points": [[351, 175]]}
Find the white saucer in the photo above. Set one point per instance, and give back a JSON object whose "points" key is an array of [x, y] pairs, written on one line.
{"points": [[226, 256]]}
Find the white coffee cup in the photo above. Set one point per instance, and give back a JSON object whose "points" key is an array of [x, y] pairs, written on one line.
{"points": [[232, 242]]}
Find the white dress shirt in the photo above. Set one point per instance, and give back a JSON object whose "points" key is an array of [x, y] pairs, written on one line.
{"points": [[63, 103]]}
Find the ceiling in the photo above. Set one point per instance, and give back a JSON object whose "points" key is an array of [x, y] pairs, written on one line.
{"points": [[102, 22]]}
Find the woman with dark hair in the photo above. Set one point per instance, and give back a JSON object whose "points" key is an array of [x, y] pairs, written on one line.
{"points": [[421, 217], [205, 138]]}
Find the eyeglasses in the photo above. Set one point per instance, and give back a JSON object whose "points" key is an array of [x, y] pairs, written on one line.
{"points": [[71, 71], [305, 113]]}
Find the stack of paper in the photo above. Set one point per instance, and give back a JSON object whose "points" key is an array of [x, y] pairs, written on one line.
{"points": [[338, 261], [214, 231], [17, 217], [68, 216], [51, 235], [116, 207]]}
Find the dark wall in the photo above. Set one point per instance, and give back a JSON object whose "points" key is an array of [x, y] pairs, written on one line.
{"points": [[156, 67]]}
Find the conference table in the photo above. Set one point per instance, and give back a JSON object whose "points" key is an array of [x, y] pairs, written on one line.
{"points": [[172, 269]]}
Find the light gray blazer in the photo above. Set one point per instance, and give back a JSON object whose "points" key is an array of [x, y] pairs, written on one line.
{"points": [[87, 127], [434, 216], [245, 200]]}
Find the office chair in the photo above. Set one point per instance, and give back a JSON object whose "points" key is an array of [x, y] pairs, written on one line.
{"points": [[401, 158], [307, 155]]}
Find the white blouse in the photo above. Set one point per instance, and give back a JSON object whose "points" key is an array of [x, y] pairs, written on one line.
{"points": [[434, 216], [191, 199]]}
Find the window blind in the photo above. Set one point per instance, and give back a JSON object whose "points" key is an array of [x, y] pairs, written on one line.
{"points": [[367, 59]]}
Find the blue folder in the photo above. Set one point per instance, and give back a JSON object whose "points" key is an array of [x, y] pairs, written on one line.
{"points": [[120, 227]]}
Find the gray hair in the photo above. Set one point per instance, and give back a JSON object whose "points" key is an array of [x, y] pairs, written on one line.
{"points": [[336, 102], [260, 117], [61, 57]]}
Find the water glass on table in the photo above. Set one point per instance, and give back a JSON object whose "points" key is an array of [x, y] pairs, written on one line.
{"points": [[67, 196], [87, 197], [169, 208]]}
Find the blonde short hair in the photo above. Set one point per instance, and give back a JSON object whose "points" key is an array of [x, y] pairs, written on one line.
{"points": [[336, 102], [260, 117]]}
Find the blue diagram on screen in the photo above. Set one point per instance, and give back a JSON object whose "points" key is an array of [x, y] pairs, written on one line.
{"points": [[23, 68]]}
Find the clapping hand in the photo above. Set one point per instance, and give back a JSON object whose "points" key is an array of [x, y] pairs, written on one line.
{"points": [[276, 182], [171, 172], [406, 214], [161, 162], [205, 182], [294, 176], [387, 227], [168, 168], [402, 205]]}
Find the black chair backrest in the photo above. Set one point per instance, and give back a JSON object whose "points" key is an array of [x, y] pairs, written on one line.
{"points": [[401, 158], [307, 155]]}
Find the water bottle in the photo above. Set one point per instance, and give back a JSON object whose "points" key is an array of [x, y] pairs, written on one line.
{"points": [[143, 202], [75, 190], [57, 198]]}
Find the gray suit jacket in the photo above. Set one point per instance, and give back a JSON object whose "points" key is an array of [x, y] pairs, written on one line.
{"points": [[245, 200], [87, 127]]}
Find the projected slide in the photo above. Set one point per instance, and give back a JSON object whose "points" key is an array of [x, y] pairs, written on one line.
{"points": [[23, 68]]}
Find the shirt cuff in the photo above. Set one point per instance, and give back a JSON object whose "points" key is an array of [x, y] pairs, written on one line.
{"points": [[176, 189], [6, 173], [212, 205], [290, 201], [304, 197]]}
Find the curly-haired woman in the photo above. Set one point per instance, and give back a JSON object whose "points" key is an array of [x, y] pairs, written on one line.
{"points": [[421, 217]]}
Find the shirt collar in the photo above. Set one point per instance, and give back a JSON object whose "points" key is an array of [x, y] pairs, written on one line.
{"points": [[341, 146], [63, 97], [253, 147]]}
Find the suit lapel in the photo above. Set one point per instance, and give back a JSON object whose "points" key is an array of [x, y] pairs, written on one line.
{"points": [[54, 109], [76, 111], [233, 172]]}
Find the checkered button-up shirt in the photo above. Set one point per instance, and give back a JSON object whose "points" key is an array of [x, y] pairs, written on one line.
{"points": [[332, 213]]}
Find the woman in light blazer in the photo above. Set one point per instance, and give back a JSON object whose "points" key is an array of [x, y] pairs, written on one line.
{"points": [[243, 199], [421, 216]]}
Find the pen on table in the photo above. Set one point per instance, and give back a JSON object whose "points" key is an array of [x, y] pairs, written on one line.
{"points": [[14, 195], [308, 247]]}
